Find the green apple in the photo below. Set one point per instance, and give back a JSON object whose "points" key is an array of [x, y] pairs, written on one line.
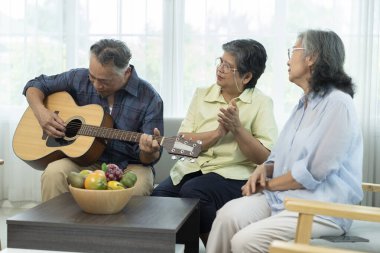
{"points": [[129, 179]]}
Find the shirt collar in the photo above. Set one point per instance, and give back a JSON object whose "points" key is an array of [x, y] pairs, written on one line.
{"points": [[247, 95], [133, 82], [214, 95], [312, 99]]}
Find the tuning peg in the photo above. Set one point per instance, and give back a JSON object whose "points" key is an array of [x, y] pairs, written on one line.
{"points": [[192, 160], [199, 142], [182, 159], [174, 157]]}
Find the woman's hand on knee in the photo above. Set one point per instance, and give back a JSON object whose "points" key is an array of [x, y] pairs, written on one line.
{"points": [[256, 182]]}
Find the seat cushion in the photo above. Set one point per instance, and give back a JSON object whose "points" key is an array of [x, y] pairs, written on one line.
{"points": [[364, 229]]}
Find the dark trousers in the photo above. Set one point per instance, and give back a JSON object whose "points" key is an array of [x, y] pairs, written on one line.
{"points": [[211, 189]]}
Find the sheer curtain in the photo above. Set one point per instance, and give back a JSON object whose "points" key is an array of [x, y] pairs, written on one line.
{"points": [[365, 67], [174, 44]]}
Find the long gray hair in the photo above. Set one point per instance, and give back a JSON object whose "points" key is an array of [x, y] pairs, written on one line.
{"points": [[327, 71]]}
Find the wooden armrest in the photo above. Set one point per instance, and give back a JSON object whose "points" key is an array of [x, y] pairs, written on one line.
{"points": [[353, 212], [308, 208], [368, 187], [286, 247]]}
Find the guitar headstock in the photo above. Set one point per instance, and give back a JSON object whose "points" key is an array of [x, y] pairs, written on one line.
{"points": [[177, 145]]}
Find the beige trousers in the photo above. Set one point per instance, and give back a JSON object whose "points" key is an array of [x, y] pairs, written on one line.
{"points": [[245, 225], [54, 182]]}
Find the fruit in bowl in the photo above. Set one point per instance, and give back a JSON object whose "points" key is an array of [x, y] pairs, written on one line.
{"points": [[112, 172], [105, 191], [95, 181], [128, 179], [101, 201]]}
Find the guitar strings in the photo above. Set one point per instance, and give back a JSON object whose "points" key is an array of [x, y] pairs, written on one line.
{"points": [[75, 127]]}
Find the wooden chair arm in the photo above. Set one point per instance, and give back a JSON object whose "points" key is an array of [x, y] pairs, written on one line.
{"points": [[369, 187], [308, 208], [286, 247], [353, 212]]}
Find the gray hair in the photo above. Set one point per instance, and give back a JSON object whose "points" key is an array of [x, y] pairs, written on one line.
{"points": [[250, 58], [327, 71], [112, 51]]}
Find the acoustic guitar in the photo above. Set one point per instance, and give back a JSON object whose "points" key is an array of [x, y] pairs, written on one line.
{"points": [[87, 128]]}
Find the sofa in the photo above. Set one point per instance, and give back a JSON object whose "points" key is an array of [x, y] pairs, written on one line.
{"points": [[162, 168]]}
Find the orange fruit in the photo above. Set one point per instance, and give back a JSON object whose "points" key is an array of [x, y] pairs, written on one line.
{"points": [[100, 172], [95, 181]]}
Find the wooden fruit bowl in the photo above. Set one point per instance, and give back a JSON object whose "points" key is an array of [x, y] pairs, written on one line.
{"points": [[101, 201]]}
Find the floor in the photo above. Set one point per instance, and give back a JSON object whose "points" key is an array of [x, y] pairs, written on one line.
{"points": [[7, 210]]}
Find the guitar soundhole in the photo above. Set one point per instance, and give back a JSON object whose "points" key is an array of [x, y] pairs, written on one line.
{"points": [[72, 128]]}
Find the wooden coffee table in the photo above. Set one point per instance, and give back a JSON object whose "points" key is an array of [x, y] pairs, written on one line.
{"points": [[146, 224]]}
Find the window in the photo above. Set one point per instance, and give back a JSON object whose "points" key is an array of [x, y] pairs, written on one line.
{"points": [[174, 44]]}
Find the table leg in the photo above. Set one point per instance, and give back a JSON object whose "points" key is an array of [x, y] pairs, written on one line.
{"points": [[189, 232]]}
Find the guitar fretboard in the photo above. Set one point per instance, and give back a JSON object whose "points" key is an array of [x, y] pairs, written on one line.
{"points": [[110, 133]]}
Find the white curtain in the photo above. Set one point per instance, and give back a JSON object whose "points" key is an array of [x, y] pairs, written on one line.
{"points": [[174, 44], [365, 67]]}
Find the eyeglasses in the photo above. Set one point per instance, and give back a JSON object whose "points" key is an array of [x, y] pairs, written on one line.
{"points": [[225, 66], [291, 50]]}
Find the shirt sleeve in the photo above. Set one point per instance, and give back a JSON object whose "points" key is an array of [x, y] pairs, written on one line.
{"points": [[324, 151], [188, 124], [154, 119], [51, 84], [264, 128]]}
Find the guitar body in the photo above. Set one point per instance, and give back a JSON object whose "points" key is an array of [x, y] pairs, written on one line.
{"points": [[37, 149], [86, 129]]}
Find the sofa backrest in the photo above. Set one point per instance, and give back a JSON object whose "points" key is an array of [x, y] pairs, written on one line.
{"points": [[171, 126]]}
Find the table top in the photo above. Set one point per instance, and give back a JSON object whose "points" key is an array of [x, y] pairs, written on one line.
{"points": [[141, 213], [14, 250], [179, 248]]}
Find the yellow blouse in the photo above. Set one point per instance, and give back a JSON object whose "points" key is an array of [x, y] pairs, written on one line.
{"points": [[225, 157]]}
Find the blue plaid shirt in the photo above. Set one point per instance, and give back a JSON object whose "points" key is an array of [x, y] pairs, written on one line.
{"points": [[137, 108]]}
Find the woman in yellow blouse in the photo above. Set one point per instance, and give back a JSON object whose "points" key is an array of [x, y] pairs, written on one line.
{"points": [[235, 122]]}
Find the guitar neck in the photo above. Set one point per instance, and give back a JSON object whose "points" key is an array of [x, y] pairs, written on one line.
{"points": [[114, 134]]}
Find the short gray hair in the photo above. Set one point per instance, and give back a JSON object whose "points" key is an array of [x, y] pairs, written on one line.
{"points": [[112, 51], [251, 57]]}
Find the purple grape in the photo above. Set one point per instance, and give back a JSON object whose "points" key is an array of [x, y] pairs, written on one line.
{"points": [[113, 173]]}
